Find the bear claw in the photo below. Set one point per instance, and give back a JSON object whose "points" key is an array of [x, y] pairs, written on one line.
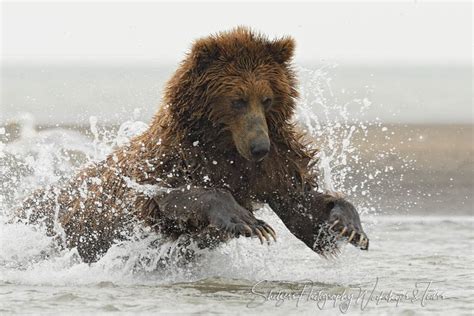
{"points": [[342, 232], [333, 224], [350, 236], [264, 231], [260, 229], [344, 224], [364, 242], [267, 230], [259, 235]]}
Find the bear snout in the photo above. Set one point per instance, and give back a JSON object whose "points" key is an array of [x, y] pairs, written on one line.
{"points": [[259, 148]]}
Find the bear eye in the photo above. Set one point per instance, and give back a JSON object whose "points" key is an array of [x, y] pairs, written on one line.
{"points": [[267, 102], [239, 104]]}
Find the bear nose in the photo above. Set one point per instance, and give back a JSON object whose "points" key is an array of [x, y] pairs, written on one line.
{"points": [[259, 149]]}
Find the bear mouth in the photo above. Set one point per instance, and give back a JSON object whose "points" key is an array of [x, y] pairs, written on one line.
{"points": [[259, 159], [253, 159]]}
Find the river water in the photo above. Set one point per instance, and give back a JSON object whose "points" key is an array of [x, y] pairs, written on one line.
{"points": [[412, 184]]}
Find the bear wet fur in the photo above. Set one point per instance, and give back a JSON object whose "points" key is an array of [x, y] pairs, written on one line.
{"points": [[222, 140]]}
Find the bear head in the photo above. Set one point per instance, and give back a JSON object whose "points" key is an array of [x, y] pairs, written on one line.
{"points": [[238, 86]]}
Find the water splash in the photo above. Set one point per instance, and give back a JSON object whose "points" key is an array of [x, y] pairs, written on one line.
{"points": [[348, 161], [41, 158]]}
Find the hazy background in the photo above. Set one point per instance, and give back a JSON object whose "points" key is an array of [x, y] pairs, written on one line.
{"points": [[413, 32], [70, 60], [64, 62]]}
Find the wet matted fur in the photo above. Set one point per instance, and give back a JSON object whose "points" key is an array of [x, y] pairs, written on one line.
{"points": [[232, 89]]}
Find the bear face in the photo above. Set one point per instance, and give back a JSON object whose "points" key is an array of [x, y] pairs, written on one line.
{"points": [[242, 84], [243, 111]]}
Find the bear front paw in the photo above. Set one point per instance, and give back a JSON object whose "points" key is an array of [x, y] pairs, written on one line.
{"points": [[344, 224], [226, 215], [236, 223]]}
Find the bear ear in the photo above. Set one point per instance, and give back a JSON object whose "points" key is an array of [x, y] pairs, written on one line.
{"points": [[282, 49], [203, 53]]}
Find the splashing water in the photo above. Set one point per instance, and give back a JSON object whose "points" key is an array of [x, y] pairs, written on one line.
{"points": [[39, 158], [334, 126]]}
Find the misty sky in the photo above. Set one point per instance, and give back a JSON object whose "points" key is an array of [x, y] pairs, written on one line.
{"points": [[120, 32]]}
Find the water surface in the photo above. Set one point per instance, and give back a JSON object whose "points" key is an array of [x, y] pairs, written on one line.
{"points": [[412, 184]]}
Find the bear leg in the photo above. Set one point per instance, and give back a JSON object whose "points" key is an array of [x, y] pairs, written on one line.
{"points": [[321, 221], [196, 210]]}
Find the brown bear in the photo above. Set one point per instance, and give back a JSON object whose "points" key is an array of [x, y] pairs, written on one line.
{"points": [[222, 141]]}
